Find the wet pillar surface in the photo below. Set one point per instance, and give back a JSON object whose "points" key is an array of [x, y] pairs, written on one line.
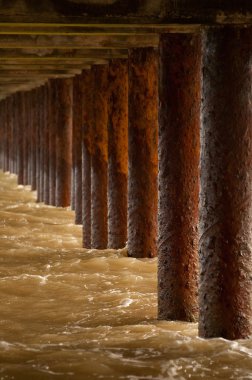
{"points": [[41, 122], [46, 162], [99, 160], [25, 108], [88, 95], [143, 129], [33, 137], [179, 155], [6, 138], [226, 180], [52, 122], [11, 133], [64, 142], [118, 154], [38, 140], [77, 147], [20, 141]]}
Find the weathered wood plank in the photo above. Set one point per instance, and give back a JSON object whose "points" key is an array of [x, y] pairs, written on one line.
{"points": [[59, 54], [77, 42], [127, 11]]}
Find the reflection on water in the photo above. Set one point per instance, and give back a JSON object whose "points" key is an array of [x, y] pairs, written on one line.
{"points": [[71, 313]]}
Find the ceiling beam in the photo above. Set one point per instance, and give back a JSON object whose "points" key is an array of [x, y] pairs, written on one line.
{"points": [[60, 54], [77, 42], [126, 11]]}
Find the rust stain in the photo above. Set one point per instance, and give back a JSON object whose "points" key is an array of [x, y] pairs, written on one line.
{"points": [[179, 151]]}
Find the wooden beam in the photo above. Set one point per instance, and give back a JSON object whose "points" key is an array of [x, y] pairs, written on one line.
{"points": [[59, 66], [7, 74], [77, 42], [91, 30], [59, 54], [88, 12]]}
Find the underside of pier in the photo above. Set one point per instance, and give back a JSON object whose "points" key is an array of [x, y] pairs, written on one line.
{"points": [[137, 115]]}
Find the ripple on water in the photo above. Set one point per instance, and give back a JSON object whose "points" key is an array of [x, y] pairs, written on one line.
{"points": [[71, 313]]}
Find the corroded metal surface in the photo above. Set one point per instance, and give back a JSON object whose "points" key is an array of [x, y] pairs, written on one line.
{"points": [[25, 137], [64, 142], [41, 143], [226, 180], [52, 121], [33, 141], [46, 192], [20, 142], [117, 154], [99, 162], [88, 94], [179, 151], [143, 168], [77, 146], [37, 113]]}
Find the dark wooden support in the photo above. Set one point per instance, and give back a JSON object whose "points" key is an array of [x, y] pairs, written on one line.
{"points": [[226, 178], [52, 122], [99, 230], [64, 142], [77, 146], [179, 150], [88, 95], [143, 130], [118, 153]]}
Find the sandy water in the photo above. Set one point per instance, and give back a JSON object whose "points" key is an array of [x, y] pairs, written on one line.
{"points": [[71, 313]]}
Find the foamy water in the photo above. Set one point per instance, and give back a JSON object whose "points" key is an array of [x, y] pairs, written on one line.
{"points": [[71, 313]]}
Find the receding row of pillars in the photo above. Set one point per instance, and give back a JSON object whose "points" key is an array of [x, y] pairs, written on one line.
{"points": [[156, 151]]}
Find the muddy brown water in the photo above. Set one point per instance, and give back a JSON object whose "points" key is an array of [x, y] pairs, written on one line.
{"points": [[71, 313]]}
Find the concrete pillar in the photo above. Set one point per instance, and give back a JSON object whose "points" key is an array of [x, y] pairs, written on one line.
{"points": [[226, 185], [77, 147], [118, 153], [99, 230], [64, 142], [143, 129], [88, 95], [179, 154], [52, 122]]}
